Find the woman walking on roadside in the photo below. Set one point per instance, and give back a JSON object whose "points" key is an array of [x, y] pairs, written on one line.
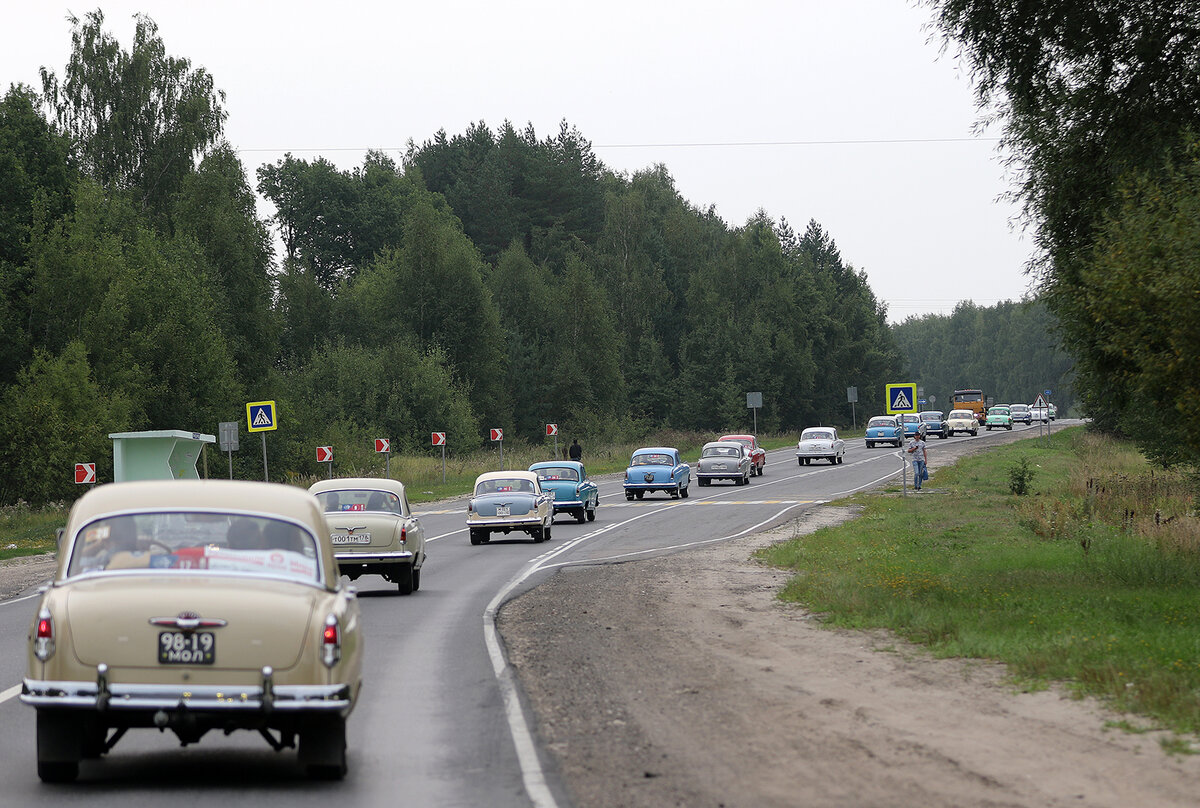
{"points": [[916, 448]]}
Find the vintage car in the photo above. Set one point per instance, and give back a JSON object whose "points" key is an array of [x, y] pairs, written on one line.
{"points": [[912, 424], [573, 492], [1020, 413], [998, 417], [194, 605], [935, 423], [504, 501], [723, 460], [758, 455], [962, 421], [372, 529], [820, 443], [657, 468], [884, 429]]}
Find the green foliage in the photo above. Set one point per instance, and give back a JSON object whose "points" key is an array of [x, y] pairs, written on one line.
{"points": [[1019, 477], [138, 118], [1009, 350]]}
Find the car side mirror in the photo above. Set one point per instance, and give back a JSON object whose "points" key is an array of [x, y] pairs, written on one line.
{"points": [[58, 537]]}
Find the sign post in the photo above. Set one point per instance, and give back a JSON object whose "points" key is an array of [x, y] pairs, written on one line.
{"points": [[227, 432], [753, 402], [439, 439], [325, 455], [260, 417], [384, 446], [552, 429], [852, 399], [498, 437]]}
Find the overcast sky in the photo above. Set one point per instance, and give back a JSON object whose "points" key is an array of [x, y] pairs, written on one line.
{"points": [[783, 105]]}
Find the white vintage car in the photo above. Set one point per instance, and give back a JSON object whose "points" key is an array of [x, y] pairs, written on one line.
{"points": [[194, 605], [373, 530], [962, 421], [820, 443]]}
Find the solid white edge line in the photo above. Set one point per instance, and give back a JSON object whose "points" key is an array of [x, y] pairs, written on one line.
{"points": [[13, 691]]}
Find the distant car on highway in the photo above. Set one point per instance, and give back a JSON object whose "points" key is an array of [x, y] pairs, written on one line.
{"points": [[194, 606], [573, 492], [1020, 413], [820, 443], [657, 468], [912, 424], [998, 417], [935, 423], [504, 501], [724, 460], [373, 530], [758, 455], [962, 421], [884, 429]]}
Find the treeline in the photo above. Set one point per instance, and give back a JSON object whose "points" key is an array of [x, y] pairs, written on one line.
{"points": [[1101, 111], [494, 278], [1010, 351]]}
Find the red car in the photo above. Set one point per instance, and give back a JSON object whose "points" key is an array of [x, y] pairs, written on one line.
{"points": [[758, 456]]}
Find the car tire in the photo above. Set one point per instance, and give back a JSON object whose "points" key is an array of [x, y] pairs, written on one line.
{"points": [[59, 747], [683, 492], [323, 748], [840, 458], [404, 579], [703, 482], [477, 536], [416, 578], [639, 494], [629, 496], [538, 534], [581, 515], [1009, 427], [591, 514], [762, 469]]}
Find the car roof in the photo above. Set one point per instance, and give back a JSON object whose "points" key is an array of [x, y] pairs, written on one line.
{"points": [[358, 484], [732, 436], [822, 428], [729, 443], [506, 475], [655, 450], [557, 464]]}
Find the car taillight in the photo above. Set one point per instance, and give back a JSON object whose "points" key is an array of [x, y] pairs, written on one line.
{"points": [[470, 505], [331, 642], [403, 535], [43, 641]]}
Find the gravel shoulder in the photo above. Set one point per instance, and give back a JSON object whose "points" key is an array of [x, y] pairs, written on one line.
{"points": [[20, 574], [682, 681]]}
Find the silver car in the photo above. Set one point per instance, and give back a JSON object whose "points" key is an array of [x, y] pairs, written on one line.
{"points": [[820, 443], [723, 460]]}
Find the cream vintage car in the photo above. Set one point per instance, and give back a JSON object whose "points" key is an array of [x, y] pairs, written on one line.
{"points": [[504, 501], [194, 605], [372, 529]]}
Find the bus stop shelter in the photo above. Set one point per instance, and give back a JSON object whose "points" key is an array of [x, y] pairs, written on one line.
{"points": [[163, 454]]}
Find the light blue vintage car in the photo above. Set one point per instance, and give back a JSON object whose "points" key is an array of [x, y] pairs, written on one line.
{"points": [[884, 429], [657, 468], [573, 492]]}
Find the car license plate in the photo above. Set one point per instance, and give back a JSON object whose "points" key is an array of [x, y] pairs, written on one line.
{"points": [[502, 510], [350, 538], [187, 648]]}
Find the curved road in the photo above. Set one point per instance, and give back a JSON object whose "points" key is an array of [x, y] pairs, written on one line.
{"points": [[439, 722]]}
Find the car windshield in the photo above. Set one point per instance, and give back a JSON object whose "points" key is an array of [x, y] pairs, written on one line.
{"points": [[882, 422], [652, 460], [356, 499], [721, 451], [196, 542], [747, 442], [816, 434], [556, 473], [1020, 407], [504, 486], [962, 414], [972, 396]]}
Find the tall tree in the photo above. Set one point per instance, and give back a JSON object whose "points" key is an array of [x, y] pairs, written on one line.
{"points": [[140, 118]]}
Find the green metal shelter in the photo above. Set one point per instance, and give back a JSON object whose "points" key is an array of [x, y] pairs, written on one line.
{"points": [[163, 454]]}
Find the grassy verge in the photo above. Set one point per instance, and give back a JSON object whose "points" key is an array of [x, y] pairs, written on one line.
{"points": [[29, 531], [1092, 578]]}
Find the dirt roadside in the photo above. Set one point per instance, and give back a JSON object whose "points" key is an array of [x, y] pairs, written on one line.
{"points": [[682, 681]]}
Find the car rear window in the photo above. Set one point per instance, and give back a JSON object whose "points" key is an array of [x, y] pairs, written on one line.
{"points": [[358, 499], [555, 473], [504, 486], [196, 542], [652, 460], [882, 422], [721, 451], [816, 435]]}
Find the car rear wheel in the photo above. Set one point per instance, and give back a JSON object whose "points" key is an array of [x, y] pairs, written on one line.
{"points": [[683, 492], [58, 746], [870, 444], [478, 536], [591, 514], [840, 458], [404, 579], [581, 515], [639, 494], [416, 578]]}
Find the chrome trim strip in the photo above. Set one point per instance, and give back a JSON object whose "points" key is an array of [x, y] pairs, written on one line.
{"points": [[366, 558], [86, 695]]}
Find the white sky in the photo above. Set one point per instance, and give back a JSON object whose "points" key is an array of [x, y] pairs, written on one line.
{"points": [[926, 221]]}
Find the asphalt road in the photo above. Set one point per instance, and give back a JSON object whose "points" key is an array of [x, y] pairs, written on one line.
{"points": [[439, 722]]}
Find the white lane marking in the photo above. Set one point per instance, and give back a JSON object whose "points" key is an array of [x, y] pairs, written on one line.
{"points": [[19, 600], [5, 695]]}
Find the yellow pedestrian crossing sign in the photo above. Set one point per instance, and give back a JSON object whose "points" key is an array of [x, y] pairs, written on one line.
{"points": [[260, 416], [901, 397]]}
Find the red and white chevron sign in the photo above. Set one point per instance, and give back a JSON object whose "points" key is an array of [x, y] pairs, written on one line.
{"points": [[438, 438], [324, 454], [85, 473], [497, 434], [383, 445]]}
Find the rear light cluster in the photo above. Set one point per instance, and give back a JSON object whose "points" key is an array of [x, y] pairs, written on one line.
{"points": [[331, 642], [43, 642]]}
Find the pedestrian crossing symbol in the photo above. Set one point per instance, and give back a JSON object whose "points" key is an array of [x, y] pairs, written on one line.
{"points": [[901, 398], [260, 416]]}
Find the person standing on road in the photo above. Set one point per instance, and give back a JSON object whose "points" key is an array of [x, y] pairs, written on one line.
{"points": [[916, 448], [576, 451]]}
